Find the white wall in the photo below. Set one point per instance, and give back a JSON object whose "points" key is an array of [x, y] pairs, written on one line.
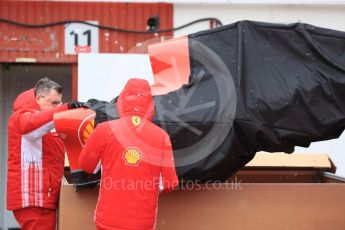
{"points": [[323, 15], [329, 16]]}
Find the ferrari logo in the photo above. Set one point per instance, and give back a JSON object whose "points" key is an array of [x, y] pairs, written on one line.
{"points": [[136, 120]]}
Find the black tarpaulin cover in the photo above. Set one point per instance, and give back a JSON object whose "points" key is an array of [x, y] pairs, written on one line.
{"points": [[253, 87]]}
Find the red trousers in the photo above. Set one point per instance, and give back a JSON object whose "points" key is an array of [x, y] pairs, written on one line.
{"points": [[34, 218]]}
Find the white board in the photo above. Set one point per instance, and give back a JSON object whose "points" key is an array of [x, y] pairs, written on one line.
{"points": [[103, 76]]}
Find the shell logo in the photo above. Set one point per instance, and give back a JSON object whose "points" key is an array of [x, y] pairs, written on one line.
{"points": [[132, 156], [85, 129]]}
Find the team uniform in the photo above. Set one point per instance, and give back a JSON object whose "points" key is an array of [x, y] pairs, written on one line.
{"points": [[136, 159]]}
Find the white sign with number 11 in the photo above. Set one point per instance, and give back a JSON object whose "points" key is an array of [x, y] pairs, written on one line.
{"points": [[81, 38]]}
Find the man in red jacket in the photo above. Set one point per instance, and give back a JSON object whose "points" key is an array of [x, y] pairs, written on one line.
{"points": [[136, 159], [35, 156]]}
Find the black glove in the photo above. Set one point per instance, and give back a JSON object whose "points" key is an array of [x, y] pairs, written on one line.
{"points": [[77, 104]]}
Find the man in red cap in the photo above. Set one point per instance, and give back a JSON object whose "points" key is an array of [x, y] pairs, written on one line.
{"points": [[136, 159], [35, 156]]}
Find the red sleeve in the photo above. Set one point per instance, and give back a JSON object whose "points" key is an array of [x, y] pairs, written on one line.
{"points": [[90, 156], [168, 172], [30, 121]]}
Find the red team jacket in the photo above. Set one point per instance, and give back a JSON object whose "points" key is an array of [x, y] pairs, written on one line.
{"points": [[136, 160], [35, 155]]}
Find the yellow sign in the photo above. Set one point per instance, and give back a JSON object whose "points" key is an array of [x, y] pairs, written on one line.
{"points": [[132, 156], [86, 130]]}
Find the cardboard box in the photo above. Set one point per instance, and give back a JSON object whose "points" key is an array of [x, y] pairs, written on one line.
{"points": [[250, 206], [238, 204], [292, 161]]}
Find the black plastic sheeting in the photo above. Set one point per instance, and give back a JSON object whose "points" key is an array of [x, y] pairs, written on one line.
{"points": [[253, 87]]}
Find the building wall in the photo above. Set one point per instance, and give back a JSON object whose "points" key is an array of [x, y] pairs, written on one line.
{"points": [[47, 44]]}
